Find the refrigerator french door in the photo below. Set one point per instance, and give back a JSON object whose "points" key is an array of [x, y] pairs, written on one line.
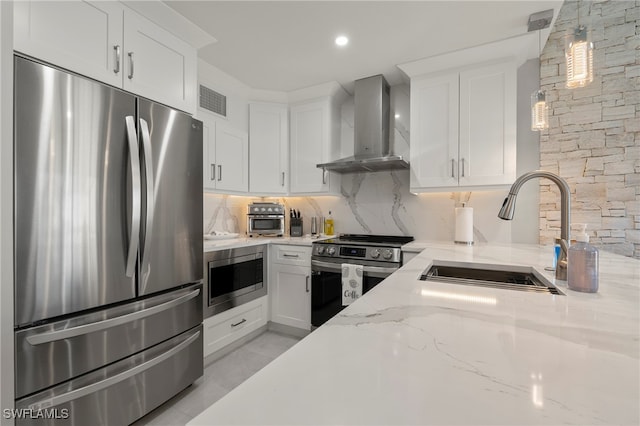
{"points": [[108, 243]]}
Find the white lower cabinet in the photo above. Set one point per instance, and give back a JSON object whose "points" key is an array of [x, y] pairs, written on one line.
{"points": [[290, 285], [226, 327]]}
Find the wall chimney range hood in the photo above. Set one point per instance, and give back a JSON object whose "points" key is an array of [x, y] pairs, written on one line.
{"points": [[371, 147]]}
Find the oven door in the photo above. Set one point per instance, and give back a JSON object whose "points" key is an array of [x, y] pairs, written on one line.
{"points": [[234, 277], [265, 224], [326, 287]]}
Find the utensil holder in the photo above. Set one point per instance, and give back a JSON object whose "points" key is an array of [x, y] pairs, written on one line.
{"points": [[295, 227]]}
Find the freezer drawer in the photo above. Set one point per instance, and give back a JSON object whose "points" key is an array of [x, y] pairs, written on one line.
{"points": [[122, 392], [53, 353]]}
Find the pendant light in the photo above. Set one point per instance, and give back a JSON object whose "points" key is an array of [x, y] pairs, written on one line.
{"points": [[579, 56], [539, 108]]}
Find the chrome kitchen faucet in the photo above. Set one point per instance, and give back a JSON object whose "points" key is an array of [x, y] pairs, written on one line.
{"points": [[509, 204]]}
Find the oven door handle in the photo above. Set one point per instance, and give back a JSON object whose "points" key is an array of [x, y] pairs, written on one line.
{"points": [[379, 271]]}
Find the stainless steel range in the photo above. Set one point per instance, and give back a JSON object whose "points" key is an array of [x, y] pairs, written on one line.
{"points": [[380, 256]]}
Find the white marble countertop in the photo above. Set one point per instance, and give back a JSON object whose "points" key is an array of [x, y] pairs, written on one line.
{"points": [[214, 245], [416, 352]]}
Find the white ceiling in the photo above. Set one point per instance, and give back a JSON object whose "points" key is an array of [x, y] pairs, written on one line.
{"points": [[288, 45]]}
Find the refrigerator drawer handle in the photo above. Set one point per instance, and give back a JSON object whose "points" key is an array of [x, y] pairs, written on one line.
{"points": [[53, 336], [148, 163], [134, 158], [113, 380]]}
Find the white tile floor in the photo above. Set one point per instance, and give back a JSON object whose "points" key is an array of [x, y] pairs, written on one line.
{"points": [[219, 378]]}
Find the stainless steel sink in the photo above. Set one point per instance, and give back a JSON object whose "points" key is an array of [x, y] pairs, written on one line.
{"points": [[509, 277]]}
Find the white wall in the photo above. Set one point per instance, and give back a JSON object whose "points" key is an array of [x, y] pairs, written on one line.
{"points": [[6, 209]]}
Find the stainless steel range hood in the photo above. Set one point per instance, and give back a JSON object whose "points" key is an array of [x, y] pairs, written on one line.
{"points": [[371, 149]]}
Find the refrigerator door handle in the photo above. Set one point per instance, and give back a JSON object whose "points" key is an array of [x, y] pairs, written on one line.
{"points": [[53, 336], [134, 158], [148, 165], [98, 386]]}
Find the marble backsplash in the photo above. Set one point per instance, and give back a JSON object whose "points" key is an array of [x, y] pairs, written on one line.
{"points": [[374, 203]]}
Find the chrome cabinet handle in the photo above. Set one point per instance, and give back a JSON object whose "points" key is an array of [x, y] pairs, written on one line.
{"points": [[116, 53], [134, 158], [462, 169], [324, 176], [67, 333], [148, 163], [290, 255], [213, 171], [130, 54], [307, 283], [238, 323], [452, 165], [282, 178], [113, 380], [219, 172]]}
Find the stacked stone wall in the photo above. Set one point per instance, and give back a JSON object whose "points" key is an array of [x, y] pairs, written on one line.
{"points": [[593, 140]]}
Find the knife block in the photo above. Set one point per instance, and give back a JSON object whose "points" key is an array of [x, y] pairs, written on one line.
{"points": [[295, 227]]}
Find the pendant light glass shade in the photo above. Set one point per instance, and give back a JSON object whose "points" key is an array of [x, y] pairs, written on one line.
{"points": [[539, 111], [579, 56]]}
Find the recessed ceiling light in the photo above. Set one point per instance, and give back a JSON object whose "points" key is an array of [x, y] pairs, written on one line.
{"points": [[342, 40]]}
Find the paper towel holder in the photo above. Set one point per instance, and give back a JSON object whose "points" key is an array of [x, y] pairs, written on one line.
{"points": [[460, 239]]}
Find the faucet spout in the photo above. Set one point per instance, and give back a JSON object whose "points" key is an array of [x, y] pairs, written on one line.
{"points": [[509, 204]]}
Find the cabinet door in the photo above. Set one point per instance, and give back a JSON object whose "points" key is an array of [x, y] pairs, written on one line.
{"points": [[269, 153], [157, 64], [310, 140], [488, 125], [84, 37], [208, 154], [290, 288], [232, 158], [434, 131]]}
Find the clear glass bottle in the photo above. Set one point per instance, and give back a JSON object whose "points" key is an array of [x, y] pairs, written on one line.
{"points": [[328, 224], [582, 268]]}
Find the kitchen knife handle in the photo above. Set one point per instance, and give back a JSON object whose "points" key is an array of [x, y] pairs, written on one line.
{"points": [[307, 283], [130, 54], [148, 162], [134, 159], [452, 165], [219, 172], [116, 53], [462, 169]]}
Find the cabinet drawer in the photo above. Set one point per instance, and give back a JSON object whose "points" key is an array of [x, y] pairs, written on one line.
{"points": [[219, 333], [291, 255]]}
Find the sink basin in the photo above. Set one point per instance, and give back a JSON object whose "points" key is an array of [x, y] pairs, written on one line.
{"points": [[509, 277]]}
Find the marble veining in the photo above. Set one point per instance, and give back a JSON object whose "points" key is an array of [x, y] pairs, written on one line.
{"points": [[350, 198], [412, 352]]}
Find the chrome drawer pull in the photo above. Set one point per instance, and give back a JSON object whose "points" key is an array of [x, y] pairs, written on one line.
{"points": [[238, 323]]}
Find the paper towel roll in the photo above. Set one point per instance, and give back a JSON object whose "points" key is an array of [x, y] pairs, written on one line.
{"points": [[464, 225]]}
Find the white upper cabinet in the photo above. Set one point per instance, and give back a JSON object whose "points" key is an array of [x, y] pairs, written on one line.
{"points": [[269, 148], [110, 43], [84, 37], [225, 158], [314, 139], [159, 65], [463, 128]]}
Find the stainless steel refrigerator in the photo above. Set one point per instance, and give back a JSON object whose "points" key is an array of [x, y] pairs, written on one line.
{"points": [[108, 249]]}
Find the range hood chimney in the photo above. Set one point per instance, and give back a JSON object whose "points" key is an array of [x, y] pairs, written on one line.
{"points": [[371, 148]]}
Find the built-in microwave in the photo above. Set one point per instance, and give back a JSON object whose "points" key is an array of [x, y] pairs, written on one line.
{"points": [[265, 219], [233, 277]]}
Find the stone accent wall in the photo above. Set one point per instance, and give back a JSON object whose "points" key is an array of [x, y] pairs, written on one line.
{"points": [[593, 140]]}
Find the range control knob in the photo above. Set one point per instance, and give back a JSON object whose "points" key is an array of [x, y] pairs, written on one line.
{"points": [[375, 253], [256, 209], [331, 251], [387, 254], [320, 249], [264, 210]]}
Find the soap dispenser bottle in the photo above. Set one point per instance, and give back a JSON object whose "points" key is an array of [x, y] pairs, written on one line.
{"points": [[582, 269]]}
